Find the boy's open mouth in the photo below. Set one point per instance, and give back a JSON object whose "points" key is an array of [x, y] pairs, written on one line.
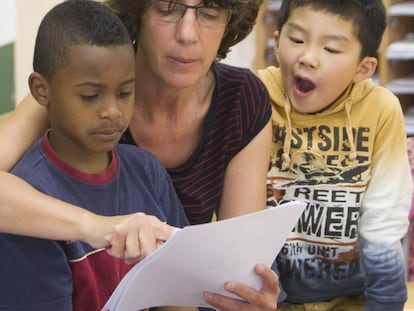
{"points": [[304, 85]]}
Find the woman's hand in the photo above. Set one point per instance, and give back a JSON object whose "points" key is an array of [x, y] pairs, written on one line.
{"points": [[129, 237], [263, 300]]}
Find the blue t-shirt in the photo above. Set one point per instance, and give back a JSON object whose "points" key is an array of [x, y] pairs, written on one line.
{"points": [[39, 274]]}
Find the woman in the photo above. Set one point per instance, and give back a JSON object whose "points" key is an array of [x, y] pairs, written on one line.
{"points": [[208, 123]]}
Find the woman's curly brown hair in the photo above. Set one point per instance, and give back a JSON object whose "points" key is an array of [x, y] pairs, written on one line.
{"points": [[243, 18]]}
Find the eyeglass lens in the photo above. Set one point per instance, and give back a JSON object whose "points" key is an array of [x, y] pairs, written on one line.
{"points": [[170, 11]]}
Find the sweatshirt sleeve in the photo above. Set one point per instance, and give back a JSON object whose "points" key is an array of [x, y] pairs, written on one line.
{"points": [[384, 214]]}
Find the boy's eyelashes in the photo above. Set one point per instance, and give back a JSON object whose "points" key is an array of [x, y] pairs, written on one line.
{"points": [[333, 51], [93, 96], [328, 49], [89, 97], [123, 94], [295, 40]]}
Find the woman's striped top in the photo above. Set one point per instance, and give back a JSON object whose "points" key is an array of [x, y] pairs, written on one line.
{"points": [[240, 108]]}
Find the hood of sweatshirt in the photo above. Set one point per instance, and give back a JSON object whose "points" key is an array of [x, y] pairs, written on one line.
{"points": [[272, 79]]}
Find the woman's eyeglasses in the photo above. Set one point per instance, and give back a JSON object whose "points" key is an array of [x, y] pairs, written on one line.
{"points": [[172, 12]]}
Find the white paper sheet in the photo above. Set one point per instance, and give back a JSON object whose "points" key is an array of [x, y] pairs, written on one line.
{"points": [[203, 257]]}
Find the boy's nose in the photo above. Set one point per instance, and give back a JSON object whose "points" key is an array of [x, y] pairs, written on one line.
{"points": [[110, 110], [309, 58]]}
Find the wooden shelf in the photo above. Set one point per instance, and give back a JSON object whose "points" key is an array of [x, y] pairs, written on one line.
{"points": [[266, 26]]}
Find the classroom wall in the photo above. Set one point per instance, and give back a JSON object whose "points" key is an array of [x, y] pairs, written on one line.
{"points": [[29, 14], [7, 40]]}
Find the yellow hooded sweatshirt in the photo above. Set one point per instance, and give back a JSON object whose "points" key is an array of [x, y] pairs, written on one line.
{"points": [[349, 164]]}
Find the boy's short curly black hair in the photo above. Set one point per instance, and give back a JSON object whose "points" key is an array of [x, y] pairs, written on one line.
{"points": [[243, 18], [74, 22], [368, 17]]}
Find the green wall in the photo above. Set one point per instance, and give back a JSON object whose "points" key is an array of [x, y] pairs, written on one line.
{"points": [[6, 77]]}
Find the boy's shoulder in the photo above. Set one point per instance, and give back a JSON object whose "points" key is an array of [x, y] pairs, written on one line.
{"points": [[135, 157], [271, 72], [375, 95], [135, 153], [139, 165], [272, 78], [31, 160]]}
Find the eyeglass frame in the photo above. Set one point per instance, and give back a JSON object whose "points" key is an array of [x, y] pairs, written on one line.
{"points": [[196, 8]]}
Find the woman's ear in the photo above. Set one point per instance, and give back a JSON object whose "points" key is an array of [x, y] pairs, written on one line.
{"points": [[39, 87], [276, 47], [366, 68]]}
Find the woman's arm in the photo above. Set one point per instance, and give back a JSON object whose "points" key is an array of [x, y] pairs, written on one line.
{"points": [[20, 130], [26, 211], [245, 192], [245, 178]]}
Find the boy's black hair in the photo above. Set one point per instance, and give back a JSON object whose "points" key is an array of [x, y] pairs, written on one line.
{"points": [[75, 22], [367, 16]]}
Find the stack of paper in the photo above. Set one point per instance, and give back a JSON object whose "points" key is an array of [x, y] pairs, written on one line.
{"points": [[203, 257]]}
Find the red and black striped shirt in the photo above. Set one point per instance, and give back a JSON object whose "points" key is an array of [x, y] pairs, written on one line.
{"points": [[239, 110]]}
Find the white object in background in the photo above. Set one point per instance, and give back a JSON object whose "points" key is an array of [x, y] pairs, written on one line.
{"points": [[402, 9], [402, 85], [402, 49], [7, 22]]}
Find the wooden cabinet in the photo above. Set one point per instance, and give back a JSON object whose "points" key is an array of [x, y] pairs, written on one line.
{"points": [[266, 26], [396, 59], [396, 56]]}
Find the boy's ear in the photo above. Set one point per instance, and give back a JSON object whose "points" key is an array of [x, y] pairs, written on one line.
{"points": [[39, 87], [366, 68], [276, 47]]}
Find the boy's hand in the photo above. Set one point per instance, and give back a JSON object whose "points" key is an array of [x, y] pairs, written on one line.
{"points": [[263, 300]]}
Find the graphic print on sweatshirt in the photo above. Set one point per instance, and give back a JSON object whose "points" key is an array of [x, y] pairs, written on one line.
{"points": [[324, 243]]}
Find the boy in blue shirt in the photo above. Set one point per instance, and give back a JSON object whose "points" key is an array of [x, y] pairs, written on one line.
{"points": [[84, 78]]}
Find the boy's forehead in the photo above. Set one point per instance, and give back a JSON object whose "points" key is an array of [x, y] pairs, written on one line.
{"points": [[309, 8], [92, 52], [299, 13], [94, 60]]}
